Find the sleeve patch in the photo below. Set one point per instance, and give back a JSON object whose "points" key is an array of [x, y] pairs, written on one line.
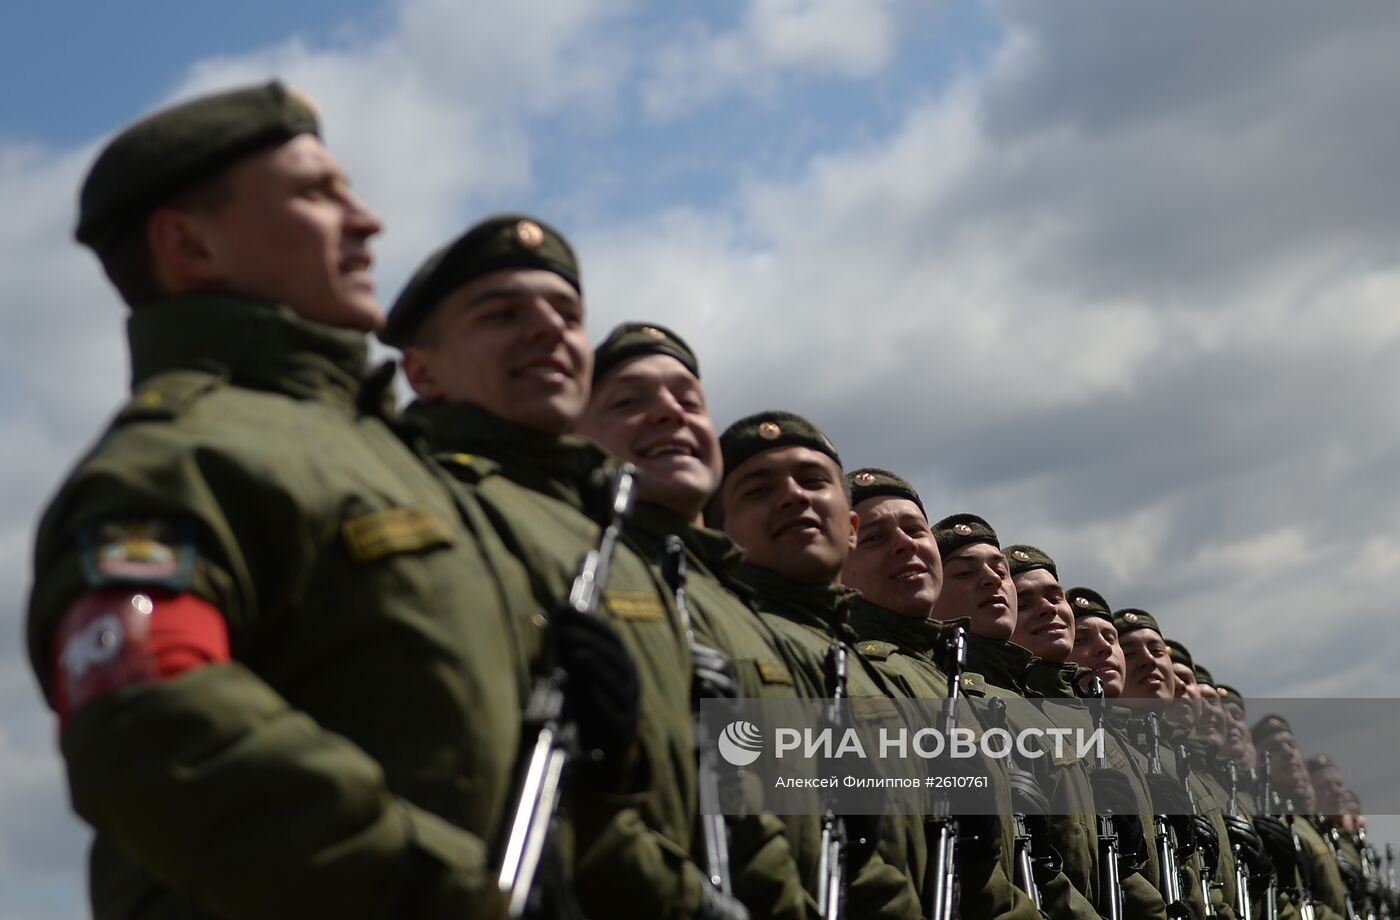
{"points": [[634, 605], [394, 530], [773, 671], [149, 552]]}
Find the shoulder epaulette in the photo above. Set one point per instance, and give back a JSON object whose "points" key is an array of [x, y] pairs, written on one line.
{"points": [[974, 683], [879, 651], [165, 396], [471, 468]]}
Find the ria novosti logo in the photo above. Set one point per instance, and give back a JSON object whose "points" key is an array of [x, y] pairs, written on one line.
{"points": [[740, 743]]}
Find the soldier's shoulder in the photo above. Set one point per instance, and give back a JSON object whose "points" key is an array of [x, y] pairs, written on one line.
{"points": [[469, 467], [169, 396], [876, 650]]}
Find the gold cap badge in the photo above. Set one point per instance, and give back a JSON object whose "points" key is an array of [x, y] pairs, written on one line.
{"points": [[652, 332], [963, 529], [1082, 601], [864, 479], [1130, 617], [1022, 555], [769, 430], [529, 234]]}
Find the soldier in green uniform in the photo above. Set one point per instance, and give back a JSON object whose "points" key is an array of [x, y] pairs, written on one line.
{"points": [[896, 567], [783, 499], [647, 406], [1045, 627], [242, 589], [491, 329], [978, 586], [1317, 869], [1149, 676], [1337, 826]]}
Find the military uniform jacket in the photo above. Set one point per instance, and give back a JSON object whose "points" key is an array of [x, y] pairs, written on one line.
{"points": [[810, 618], [1063, 780], [254, 469], [769, 875], [541, 493], [903, 649]]}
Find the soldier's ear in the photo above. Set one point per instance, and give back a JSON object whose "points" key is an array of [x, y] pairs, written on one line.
{"points": [[418, 369], [180, 253], [855, 530]]}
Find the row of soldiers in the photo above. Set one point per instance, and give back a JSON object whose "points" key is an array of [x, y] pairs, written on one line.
{"points": [[313, 656]]}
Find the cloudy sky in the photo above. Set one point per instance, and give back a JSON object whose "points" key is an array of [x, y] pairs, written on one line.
{"points": [[1119, 276]]}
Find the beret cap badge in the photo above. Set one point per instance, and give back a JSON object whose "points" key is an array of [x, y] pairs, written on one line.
{"points": [[864, 479], [652, 332], [1083, 601], [963, 529], [1130, 617], [529, 234], [1022, 555], [769, 430]]}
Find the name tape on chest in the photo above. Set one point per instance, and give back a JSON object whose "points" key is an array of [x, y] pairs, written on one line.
{"points": [[394, 530]]}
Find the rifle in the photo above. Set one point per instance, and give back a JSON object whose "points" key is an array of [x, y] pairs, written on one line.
{"points": [[556, 738], [941, 827], [1332, 837], [1204, 872], [712, 827], [1164, 835], [831, 866], [1024, 863], [1307, 907], [1244, 909], [1108, 835], [1265, 807]]}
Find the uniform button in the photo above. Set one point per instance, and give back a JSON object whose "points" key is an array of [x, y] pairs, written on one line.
{"points": [[539, 620]]}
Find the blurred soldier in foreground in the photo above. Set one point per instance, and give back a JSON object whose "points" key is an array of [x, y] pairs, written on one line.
{"points": [[250, 579]]}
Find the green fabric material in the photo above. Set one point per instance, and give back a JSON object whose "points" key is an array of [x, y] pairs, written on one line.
{"points": [[282, 779], [636, 340], [499, 242], [958, 530], [168, 152], [754, 434], [635, 849], [1131, 618], [1087, 602], [870, 481], [1022, 557]]}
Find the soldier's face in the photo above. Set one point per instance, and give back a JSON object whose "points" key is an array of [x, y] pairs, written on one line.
{"points": [[1329, 790], [1237, 746], [977, 584], [1210, 723], [651, 412], [1149, 667], [1288, 768], [1186, 708], [787, 508], [1044, 618], [1096, 647], [895, 561], [292, 232], [512, 342]]}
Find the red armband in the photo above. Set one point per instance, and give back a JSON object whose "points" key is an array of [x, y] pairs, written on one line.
{"points": [[119, 636]]}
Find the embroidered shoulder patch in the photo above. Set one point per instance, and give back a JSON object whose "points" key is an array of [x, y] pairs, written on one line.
{"points": [[394, 530], [144, 551], [877, 650], [773, 671], [633, 605]]}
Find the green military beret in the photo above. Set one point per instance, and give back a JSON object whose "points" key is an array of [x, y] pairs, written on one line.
{"points": [[1229, 694], [1268, 726], [958, 530], [1131, 618], [1087, 602], [1203, 675], [1025, 558], [1319, 762], [871, 481], [1180, 654], [173, 150], [762, 431], [633, 340], [502, 241]]}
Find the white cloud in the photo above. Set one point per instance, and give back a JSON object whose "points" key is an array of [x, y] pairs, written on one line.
{"points": [[773, 40]]}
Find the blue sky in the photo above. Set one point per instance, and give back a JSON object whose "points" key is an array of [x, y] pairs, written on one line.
{"points": [[1120, 277]]}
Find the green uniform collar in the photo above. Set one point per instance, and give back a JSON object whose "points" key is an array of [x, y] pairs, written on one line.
{"points": [[561, 466], [1054, 680], [710, 550], [914, 636], [254, 343], [1003, 664], [825, 609]]}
